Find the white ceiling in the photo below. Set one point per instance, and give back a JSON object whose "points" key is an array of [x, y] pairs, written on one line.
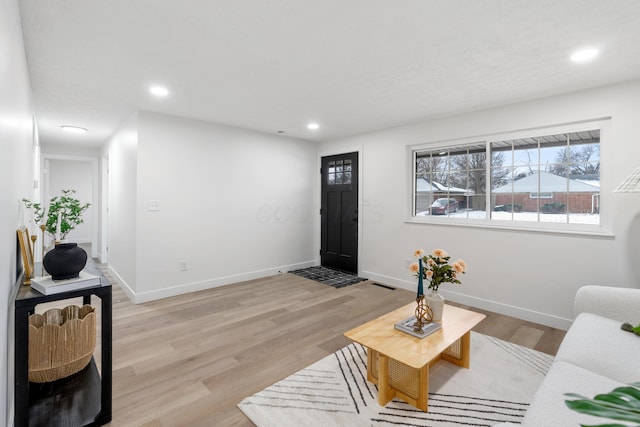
{"points": [[351, 65]]}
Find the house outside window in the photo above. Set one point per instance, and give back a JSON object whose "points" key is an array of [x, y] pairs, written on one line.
{"points": [[549, 178], [453, 173]]}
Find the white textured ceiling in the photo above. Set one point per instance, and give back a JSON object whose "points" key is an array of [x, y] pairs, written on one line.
{"points": [[351, 65]]}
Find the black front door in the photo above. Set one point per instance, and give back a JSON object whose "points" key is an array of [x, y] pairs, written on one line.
{"points": [[339, 212]]}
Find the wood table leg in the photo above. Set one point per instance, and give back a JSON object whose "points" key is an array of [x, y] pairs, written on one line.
{"points": [[370, 372], [465, 352], [385, 392], [423, 397]]}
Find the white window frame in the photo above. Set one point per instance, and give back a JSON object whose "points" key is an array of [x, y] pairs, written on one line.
{"points": [[602, 229]]}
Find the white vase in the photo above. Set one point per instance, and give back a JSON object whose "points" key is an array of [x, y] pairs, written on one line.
{"points": [[435, 301]]}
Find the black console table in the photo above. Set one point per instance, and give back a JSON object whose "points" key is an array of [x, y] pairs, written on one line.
{"points": [[87, 393]]}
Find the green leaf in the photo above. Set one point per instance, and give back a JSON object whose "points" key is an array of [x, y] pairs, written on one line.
{"points": [[71, 211], [628, 396], [608, 425], [603, 410], [623, 404]]}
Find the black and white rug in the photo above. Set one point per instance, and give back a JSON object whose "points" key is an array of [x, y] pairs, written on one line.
{"points": [[334, 391], [329, 276]]}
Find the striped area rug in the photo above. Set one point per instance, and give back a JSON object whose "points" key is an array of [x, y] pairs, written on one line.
{"points": [[334, 391]]}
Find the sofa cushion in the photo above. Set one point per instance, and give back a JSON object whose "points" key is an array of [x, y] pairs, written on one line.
{"points": [[548, 407], [599, 345], [622, 304]]}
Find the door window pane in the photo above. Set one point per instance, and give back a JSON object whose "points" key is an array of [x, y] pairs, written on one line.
{"points": [[339, 172]]}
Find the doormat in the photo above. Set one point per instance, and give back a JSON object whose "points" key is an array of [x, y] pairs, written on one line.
{"points": [[329, 276]]}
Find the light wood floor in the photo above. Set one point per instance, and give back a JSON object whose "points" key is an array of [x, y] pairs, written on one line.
{"points": [[188, 360]]}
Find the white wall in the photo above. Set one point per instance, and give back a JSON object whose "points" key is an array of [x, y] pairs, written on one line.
{"points": [[17, 176], [234, 204], [121, 150], [531, 275], [75, 175]]}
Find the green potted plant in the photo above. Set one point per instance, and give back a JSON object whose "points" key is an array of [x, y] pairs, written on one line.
{"points": [[64, 213], [621, 404], [66, 206]]}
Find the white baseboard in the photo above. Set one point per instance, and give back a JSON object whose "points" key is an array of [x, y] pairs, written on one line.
{"points": [[123, 284], [510, 310], [494, 306], [184, 288]]}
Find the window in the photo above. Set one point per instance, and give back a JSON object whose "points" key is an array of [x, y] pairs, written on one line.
{"points": [[457, 173], [552, 178], [339, 172]]}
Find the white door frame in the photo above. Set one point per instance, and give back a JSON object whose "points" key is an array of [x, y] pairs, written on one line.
{"points": [[104, 209]]}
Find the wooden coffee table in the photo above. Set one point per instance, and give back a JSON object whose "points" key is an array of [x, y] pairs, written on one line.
{"points": [[399, 363]]}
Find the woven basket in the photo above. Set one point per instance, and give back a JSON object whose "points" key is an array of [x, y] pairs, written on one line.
{"points": [[61, 342]]}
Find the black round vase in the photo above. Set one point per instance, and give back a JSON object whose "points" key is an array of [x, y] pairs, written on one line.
{"points": [[65, 261]]}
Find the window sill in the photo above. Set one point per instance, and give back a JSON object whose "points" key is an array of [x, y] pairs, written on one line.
{"points": [[567, 229]]}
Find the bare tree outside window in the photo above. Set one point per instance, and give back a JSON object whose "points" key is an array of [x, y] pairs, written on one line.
{"points": [[577, 160]]}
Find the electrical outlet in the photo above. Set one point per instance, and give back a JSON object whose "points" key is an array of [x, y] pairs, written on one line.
{"points": [[183, 265], [153, 205]]}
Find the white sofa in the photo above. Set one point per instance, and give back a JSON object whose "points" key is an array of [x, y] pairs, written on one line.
{"points": [[595, 356]]}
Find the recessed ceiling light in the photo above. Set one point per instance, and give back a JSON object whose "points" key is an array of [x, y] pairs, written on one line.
{"points": [[73, 129], [159, 91], [584, 55], [313, 126]]}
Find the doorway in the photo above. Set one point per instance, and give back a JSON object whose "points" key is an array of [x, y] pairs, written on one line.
{"points": [[74, 173], [339, 212]]}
